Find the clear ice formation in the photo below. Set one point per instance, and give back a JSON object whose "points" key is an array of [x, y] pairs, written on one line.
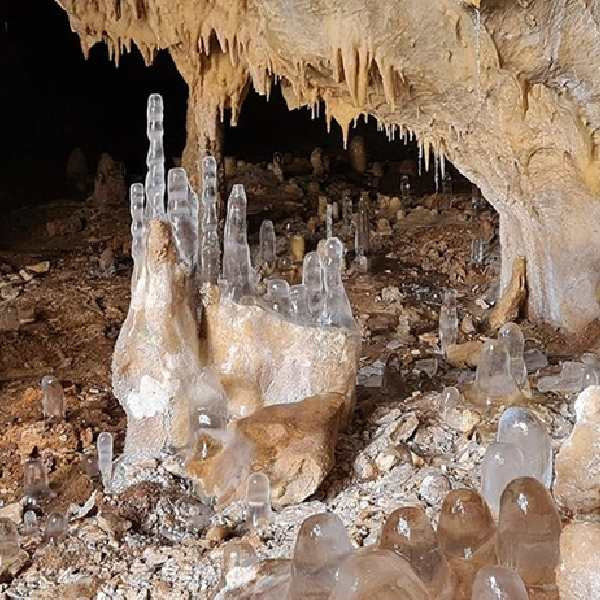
{"points": [[522, 428], [258, 501], [493, 375], [56, 526], [513, 337], [136, 199], [408, 533], [321, 546], [155, 161], [30, 523], [498, 583], [208, 415], [104, 449], [35, 480], [336, 306], [53, 398], [448, 321], [375, 574], [184, 217], [312, 278], [267, 246], [502, 463], [529, 531], [277, 297], [210, 249], [466, 534], [478, 251], [239, 562]]}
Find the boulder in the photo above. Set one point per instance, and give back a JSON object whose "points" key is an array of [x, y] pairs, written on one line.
{"points": [[578, 577], [577, 484], [293, 444]]}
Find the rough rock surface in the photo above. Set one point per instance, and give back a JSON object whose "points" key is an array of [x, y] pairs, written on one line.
{"points": [[263, 359], [156, 362], [513, 298], [293, 444], [506, 91], [578, 577], [577, 484]]}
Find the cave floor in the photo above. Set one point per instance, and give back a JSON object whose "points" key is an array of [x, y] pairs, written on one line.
{"points": [[398, 449]]}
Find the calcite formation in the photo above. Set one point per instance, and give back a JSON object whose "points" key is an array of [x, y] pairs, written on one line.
{"points": [[504, 90], [265, 360], [577, 575], [292, 443], [577, 485]]}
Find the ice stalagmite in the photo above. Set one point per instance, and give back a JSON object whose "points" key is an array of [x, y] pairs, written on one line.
{"points": [[210, 251], [136, 197], [155, 161], [183, 216]]}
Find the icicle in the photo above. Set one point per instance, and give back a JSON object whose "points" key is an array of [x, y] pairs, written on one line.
{"points": [[443, 164], [427, 153]]}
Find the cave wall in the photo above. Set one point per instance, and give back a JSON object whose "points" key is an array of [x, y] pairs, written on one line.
{"points": [[506, 90]]}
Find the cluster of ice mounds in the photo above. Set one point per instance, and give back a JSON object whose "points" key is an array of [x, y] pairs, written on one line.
{"points": [[174, 385], [471, 555]]}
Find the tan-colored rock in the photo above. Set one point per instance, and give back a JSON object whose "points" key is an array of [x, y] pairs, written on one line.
{"points": [[113, 524], [293, 444], [464, 355], [156, 364], [577, 483], [283, 361], [357, 152], [513, 298], [578, 576]]}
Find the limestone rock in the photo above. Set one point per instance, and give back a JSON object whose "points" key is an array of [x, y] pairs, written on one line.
{"points": [[277, 361], [357, 152], [577, 484], [461, 355], [271, 582], [293, 444], [156, 363], [578, 577], [109, 184], [510, 303]]}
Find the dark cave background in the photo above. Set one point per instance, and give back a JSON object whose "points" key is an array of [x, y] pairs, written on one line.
{"points": [[53, 101]]}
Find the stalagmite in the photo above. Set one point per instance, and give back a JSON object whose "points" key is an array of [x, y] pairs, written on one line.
{"points": [[321, 546], [529, 531], [522, 428], [408, 533]]}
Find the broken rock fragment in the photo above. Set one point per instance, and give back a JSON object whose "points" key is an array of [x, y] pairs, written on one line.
{"points": [[577, 574], [577, 485], [293, 444]]}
